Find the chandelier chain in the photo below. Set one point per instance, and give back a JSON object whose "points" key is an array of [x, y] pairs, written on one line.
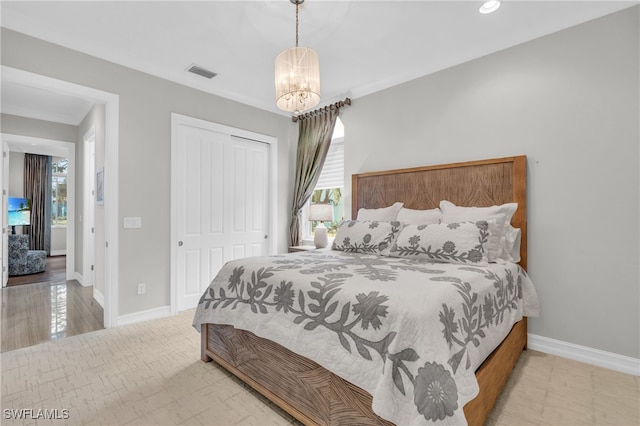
{"points": [[297, 4]]}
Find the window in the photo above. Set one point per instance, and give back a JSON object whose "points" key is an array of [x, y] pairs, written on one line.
{"points": [[59, 191], [330, 186]]}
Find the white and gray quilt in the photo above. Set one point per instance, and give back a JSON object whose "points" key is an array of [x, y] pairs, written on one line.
{"points": [[409, 332]]}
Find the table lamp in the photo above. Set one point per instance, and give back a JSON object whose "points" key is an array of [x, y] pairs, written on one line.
{"points": [[321, 213]]}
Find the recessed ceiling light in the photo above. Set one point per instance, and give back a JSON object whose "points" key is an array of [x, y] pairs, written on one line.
{"points": [[490, 6]]}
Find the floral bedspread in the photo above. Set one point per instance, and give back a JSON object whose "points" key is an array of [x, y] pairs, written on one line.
{"points": [[409, 332]]}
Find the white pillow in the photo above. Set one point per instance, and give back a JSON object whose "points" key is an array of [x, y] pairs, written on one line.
{"points": [[510, 247], [385, 213], [463, 242], [419, 217], [502, 215]]}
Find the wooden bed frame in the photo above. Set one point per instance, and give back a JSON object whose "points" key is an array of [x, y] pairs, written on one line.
{"points": [[316, 396]]}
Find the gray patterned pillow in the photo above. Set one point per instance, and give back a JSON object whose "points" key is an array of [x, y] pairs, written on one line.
{"points": [[368, 236], [463, 242]]}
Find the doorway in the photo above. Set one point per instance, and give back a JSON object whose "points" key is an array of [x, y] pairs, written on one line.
{"points": [[18, 144], [111, 106]]}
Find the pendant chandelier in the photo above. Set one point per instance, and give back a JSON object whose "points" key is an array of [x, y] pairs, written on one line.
{"points": [[297, 76]]}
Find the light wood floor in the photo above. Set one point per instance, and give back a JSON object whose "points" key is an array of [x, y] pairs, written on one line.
{"points": [[55, 271], [34, 313]]}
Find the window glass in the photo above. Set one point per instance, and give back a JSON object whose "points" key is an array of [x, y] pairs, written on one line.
{"points": [[330, 186], [331, 196], [59, 191]]}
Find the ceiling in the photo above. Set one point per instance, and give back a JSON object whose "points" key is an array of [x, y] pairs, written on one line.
{"points": [[364, 46]]}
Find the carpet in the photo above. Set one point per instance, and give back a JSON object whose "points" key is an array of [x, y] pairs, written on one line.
{"points": [[148, 373]]}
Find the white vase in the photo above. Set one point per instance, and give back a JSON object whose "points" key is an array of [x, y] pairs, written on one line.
{"points": [[321, 240]]}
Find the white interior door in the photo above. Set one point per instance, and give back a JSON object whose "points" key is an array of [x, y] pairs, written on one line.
{"points": [[222, 205], [89, 220], [4, 250]]}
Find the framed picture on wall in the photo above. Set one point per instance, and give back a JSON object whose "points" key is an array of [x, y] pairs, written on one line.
{"points": [[100, 187]]}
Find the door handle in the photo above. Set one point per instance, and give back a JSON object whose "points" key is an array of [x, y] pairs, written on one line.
{"points": [[180, 243]]}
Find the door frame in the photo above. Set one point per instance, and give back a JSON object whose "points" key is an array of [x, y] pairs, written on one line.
{"points": [[176, 121], [111, 178], [54, 148]]}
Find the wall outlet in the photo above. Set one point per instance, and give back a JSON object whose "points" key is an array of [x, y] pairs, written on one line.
{"points": [[141, 288]]}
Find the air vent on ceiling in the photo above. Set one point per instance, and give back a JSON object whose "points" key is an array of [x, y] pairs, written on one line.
{"points": [[201, 71]]}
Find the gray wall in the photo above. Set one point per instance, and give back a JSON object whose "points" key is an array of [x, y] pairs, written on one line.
{"points": [[37, 128], [146, 104], [570, 102], [16, 174]]}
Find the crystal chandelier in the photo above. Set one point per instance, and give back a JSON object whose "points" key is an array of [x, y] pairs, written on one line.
{"points": [[297, 76]]}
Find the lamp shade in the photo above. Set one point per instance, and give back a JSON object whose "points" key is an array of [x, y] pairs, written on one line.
{"points": [[297, 79], [321, 212]]}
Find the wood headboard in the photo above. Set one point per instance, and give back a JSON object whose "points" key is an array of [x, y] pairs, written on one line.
{"points": [[474, 183]]}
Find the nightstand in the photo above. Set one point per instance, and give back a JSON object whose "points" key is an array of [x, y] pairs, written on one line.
{"points": [[301, 248]]}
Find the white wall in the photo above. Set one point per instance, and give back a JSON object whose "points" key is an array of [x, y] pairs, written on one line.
{"points": [[58, 240], [570, 102]]}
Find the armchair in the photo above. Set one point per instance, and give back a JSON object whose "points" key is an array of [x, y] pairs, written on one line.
{"points": [[23, 261]]}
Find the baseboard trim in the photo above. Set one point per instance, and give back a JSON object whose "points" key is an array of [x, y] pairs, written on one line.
{"points": [[98, 296], [58, 253], [78, 277], [610, 360], [149, 314]]}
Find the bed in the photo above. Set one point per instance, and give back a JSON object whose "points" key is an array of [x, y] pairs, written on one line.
{"points": [[312, 393]]}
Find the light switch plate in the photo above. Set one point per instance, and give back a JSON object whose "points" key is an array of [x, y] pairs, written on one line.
{"points": [[132, 222]]}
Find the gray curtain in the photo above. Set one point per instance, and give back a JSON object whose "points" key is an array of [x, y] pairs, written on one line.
{"points": [[314, 139], [37, 188]]}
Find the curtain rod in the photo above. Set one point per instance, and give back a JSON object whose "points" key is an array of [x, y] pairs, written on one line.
{"points": [[339, 104]]}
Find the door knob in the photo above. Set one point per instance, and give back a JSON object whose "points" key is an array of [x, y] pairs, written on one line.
{"points": [[180, 243]]}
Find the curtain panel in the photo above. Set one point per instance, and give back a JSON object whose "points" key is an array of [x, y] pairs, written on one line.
{"points": [[37, 188], [314, 139]]}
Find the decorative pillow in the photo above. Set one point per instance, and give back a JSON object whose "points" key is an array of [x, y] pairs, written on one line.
{"points": [[385, 214], [463, 242], [375, 237], [510, 244], [501, 214], [419, 217]]}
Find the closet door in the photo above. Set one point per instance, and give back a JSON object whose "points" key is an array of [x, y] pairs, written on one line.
{"points": [[222, 205]]}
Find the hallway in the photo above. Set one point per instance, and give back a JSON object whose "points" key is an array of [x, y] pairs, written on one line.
{"points": [[50, 310]]}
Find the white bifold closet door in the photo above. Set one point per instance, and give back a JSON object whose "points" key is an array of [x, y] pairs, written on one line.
{"points": [[223, 206]]}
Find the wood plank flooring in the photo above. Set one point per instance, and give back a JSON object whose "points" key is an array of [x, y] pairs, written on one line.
{"points": [[55, 271], [42, 311]]}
